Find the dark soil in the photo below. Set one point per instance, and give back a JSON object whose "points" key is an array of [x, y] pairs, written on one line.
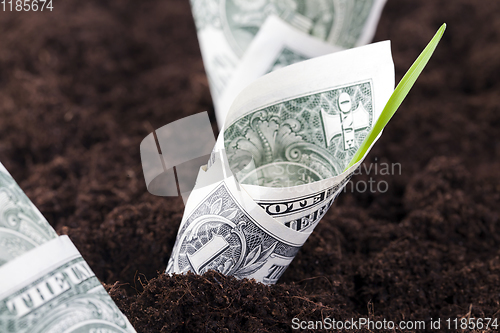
{"points": [[81, 86]]}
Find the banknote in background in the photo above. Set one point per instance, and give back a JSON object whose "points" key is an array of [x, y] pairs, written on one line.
{"points": [[276, 45], [227, 28], [280, 162], [45, 285]]}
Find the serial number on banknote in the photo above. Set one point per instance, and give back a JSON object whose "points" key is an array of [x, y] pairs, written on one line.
{"points": [[26, 5]]}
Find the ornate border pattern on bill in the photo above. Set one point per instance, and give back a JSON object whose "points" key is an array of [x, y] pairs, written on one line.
{"points": [[301, 140], [219, 235], [46, 286]]}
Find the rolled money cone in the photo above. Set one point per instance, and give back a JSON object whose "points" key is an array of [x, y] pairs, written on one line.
{"points": [[45, 284], [22, 226], [276, 45], [52, 289], [227, 28], [279, 163]]}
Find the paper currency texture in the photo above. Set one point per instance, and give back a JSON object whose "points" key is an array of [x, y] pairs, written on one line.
{"points": [[276, 45], [22, 226], [52, 289], [280, 162], [45, 285], [227, 29]]}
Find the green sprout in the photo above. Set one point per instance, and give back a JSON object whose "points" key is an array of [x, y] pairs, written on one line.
{"points": [[398, 95]]}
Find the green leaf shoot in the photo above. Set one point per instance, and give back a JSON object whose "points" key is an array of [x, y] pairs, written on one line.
{"points": [[398, 95]]}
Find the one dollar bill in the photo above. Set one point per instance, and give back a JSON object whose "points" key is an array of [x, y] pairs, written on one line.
{"points": [[22, 226], [279, 163], [45, 285], [52, 289]]}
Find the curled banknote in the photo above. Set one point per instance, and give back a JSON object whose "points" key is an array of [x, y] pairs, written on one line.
{"points": [[45, 284], [22, 226], [228, 29], [280, 161]]}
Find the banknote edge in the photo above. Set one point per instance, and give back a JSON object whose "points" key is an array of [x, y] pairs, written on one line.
{"points": [[29, 266]]}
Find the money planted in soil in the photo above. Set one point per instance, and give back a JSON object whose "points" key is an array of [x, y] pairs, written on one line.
{"points": [[289, 145]]}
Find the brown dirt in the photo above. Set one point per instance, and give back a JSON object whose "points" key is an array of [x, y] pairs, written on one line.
{"points": [[82, 86]]}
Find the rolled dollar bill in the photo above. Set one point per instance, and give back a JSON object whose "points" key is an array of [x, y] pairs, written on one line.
{"points": [[52, 289], [276, 45], [22, 226], [45, 284], [279, 163], [227, 28]]}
